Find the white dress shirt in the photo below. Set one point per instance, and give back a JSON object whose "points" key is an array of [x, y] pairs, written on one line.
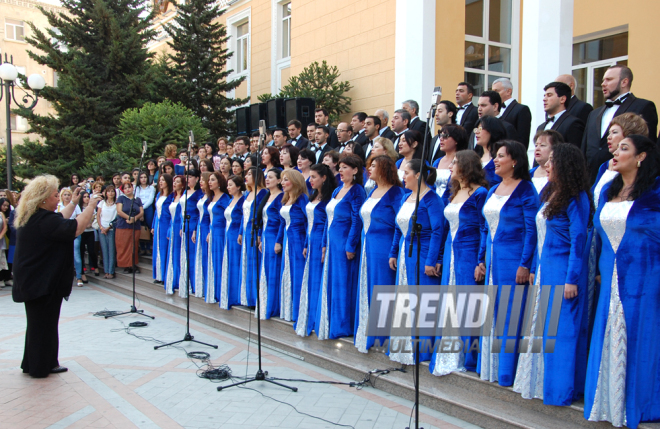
{"points": [[549, 125], [608, 115], [459, 114], [505, 105]]}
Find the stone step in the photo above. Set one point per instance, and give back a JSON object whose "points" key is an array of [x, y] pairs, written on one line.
{"points": [[462, 395]]}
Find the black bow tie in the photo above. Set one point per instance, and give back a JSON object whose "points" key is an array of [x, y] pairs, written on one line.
{"points": [[550, 119], [616, 102], [503, 105], [463, 107]]}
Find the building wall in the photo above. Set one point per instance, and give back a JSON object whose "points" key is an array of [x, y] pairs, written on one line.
{"points": [[449, 46], [592, 16], [23, 11]]}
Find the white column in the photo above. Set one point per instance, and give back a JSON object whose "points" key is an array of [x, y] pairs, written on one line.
{"points": [[414, 53], [547, 50]]}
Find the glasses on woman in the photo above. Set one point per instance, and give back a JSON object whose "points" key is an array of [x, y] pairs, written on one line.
{"points": [[477, 130], [444, 136]]}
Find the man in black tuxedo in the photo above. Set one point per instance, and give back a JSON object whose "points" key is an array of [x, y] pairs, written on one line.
{"points": [[489, 105], [357, 125], [310, 134], [280, 137], [416, 123], [513, 112], [296, 138], [616, 90], [575, 106], [322, 117], [371, 130], [557, 117], [400, 122], [466, 114], [445, 114], [322, 145], [385, 130]]}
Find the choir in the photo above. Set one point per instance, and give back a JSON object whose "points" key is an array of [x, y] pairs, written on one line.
{"points": [[309, 247]]}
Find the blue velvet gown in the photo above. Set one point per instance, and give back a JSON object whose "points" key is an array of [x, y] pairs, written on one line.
{"points": [[338, 296], [562, 253], [492, 178], [378, 228], [538, 182], [174, 251], [292, 235], [443, 178], [188, 248], [161, 225], [271, 266], [430, 216], [216, 245], [461, 256], [202, 252], [230, 285], [312, 276], [622, 374], [250, 264], [508, 242]]}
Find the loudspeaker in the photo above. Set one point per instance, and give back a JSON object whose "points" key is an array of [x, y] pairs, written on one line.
{"points": [[301, 109], [276, 114], [242, 120], [258, 112]]}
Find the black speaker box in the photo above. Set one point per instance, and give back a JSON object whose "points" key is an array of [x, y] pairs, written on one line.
{"points": [[258, 112], [242, 120], [301, 109], [276, 113]]}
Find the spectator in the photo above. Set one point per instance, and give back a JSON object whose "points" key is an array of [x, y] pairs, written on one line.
{"points": [[152, 168], [5, 273], [170, 154], [75, 182], [65, 198], [106, 217], [146, 193], [127, 237], [87, 238]]}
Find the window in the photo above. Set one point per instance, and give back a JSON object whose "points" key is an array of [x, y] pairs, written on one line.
{"points": [[12, 120], [242, 47], [591, 58], [14, 30], [286, 31], [18, 123], [489, 51], [21, 71]]}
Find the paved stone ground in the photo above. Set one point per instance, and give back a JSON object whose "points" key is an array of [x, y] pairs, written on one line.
{"points": [[117, 380]]}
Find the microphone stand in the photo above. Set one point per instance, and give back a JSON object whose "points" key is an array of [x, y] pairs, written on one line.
{"points": [[416, 234], [134, 256], [186, 227], [261, 374]]}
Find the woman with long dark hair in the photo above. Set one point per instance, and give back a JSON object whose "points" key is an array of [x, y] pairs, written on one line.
{"points": [[338, 296], [230, 286], [75, 181], [378, 215], [270, 274], [218, 202], [430, 245], [127, 237], [506, 251], [205, 166], [199, 237], [270, 158], [562, 253], [86, 238], [453, 138], [147, 194], [622, 381], [306, 159], [291, 240], [160, 227], [489, 132], [188, 202], [237, 168], [289, 156], [468, 190], [323, 184], [106, 215], [410, 147], [250, 263], [174, 237]]}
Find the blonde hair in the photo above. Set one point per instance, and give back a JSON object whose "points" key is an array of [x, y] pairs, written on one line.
{"points": [[631, 123], [39, 189], [170, 149], [299, 186], [63, 191], [388, 146]]}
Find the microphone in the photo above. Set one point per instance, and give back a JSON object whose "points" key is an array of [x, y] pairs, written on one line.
{"points": [[144, 148], [191, 141], [436, 96]]}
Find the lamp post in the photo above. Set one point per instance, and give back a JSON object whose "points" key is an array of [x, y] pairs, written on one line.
{"points": [[8, 75]]}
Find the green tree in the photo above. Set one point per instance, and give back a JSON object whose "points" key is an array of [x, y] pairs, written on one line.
{"points": [[320, 82], [99, 53], [197, 69], [17, 184], [159, 124]]}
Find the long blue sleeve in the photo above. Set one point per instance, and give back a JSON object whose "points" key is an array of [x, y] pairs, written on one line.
{"points": [[530, 206], [435, 209], [394, 250], [578, 216], [484, 230], [354, 234]]}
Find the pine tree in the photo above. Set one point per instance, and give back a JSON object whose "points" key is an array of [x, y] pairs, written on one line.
{"points": [[197, 69], [99, 53]]}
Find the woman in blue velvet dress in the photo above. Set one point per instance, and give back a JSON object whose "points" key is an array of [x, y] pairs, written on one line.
{"points": [[291, 241], [218, 202], [271, 265], [506, 251], [250, 263], [230, 285], [378, 215], [453, 138], [543, 143], [174, 236], [323, 185], [199, 237], [488, 136], [468, 191], [336, 305], [410, 147], [160, 227], [306, 159], [190, 198], [432, 220], [562, 227], [622, 381]]}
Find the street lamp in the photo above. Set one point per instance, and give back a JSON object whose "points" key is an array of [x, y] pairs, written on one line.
{"points": [[8, 75]]}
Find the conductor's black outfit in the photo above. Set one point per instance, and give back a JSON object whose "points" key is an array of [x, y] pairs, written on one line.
{"points": [[43, 275]]}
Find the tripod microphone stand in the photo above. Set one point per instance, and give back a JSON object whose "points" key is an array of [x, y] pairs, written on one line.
{"points": [[134, 309], [186, 227], [260, 375]]}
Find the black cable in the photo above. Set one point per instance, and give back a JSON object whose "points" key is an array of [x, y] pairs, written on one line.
{"points": [[106, 313]]}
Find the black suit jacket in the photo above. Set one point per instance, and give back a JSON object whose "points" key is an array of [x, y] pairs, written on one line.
{"points": [[511, 134], [579, 108], [327, 148], [333, 139], [594, 141], [570, 128], [470, 118], [361, 138], [520, 117], [301, 144], [438, 153], [419, 125], [388, 134]]}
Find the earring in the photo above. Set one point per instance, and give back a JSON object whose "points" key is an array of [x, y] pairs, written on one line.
{"points": [[43, 202], [354, 177], [639, 164], [514, 165]]}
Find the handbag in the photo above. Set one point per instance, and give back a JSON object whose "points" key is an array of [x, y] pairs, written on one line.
{"points": [[95, 224]]}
